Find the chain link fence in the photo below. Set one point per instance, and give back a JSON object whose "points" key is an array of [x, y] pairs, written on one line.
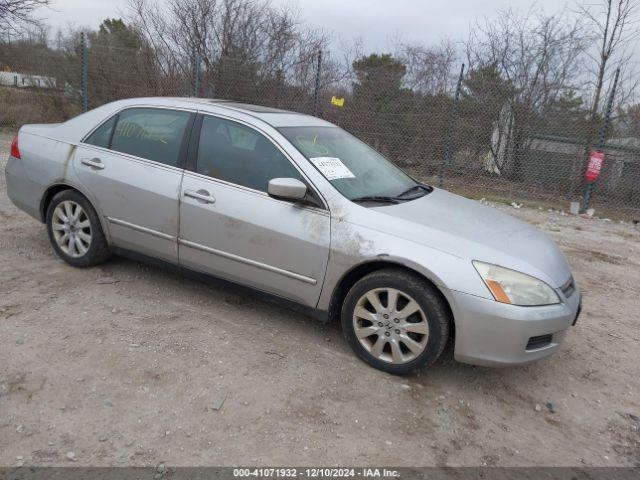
{"points": [[40, 87], [474, 134], [485, 140]]}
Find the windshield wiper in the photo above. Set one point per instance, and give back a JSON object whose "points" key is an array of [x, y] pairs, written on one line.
{"points": [[419, 186], [397, 199], [376, 198]]}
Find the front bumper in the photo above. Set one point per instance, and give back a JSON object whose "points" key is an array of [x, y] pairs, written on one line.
{"points": [[495, 334]]}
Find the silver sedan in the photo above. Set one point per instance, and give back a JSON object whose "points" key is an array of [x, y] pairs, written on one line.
{"points": [[294, 206]]}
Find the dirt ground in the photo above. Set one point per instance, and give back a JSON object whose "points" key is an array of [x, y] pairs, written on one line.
{"points": [[124, 364]]}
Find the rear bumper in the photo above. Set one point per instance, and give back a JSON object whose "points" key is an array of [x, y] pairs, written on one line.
{"points": [[494, 334], [23, 192]]}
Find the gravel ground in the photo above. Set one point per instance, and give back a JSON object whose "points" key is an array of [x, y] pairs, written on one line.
{"points": [[128, 364]]}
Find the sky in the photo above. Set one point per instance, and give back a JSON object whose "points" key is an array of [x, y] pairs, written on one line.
{"points": [[379, 24]]}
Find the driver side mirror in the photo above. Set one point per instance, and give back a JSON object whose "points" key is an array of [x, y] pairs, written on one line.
{"points": [[287, 189]]}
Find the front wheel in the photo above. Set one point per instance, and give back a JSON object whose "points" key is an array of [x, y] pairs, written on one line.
{"points": [[74, 230], [395, 321]]}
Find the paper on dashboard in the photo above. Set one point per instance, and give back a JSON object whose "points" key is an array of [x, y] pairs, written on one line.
{"points": [[332, 168]]}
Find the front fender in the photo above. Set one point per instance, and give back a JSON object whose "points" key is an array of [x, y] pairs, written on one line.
{"points": [[355, 245]]}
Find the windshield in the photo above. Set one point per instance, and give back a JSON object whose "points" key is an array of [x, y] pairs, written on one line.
{"points": [[354, 168]]}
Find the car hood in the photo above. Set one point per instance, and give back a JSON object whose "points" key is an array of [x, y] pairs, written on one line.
{"points": [[469, 229]]}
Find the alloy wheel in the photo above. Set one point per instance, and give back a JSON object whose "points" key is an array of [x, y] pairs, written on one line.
{"points": [[390, 325], [71, 228]]}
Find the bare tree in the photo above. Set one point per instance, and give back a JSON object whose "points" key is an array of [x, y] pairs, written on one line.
{"points": [[430, 70], [240, 42], [16, 14], [520, 66], [615, 23], [628, 120], [536, 54]]}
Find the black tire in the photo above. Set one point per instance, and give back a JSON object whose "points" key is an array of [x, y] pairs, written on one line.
{"points": [[98, 250], [430, 301]]}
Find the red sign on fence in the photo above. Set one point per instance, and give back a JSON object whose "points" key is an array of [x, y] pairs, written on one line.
{"points": [[596, 160]]}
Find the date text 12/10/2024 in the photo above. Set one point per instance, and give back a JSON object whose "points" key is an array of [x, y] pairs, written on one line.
{"points": [[315, 473]]}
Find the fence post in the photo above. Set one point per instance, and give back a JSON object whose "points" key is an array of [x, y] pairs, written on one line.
{"points": [[601, 139], [195, 72], [84, 73], [450, 129], [316, 90]]}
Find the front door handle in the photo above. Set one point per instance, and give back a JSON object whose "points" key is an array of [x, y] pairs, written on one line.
{"points": [[201, 195], [93, 163]]}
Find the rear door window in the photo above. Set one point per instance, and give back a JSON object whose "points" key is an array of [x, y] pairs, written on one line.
{"points": [[102, 135], [151, 133]]}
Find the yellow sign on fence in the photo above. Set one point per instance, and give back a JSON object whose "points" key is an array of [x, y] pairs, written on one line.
{"points": [[338, 102]]}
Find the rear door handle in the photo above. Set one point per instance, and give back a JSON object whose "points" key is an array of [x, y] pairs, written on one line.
{"points": [[201, 195], [93, 163]]}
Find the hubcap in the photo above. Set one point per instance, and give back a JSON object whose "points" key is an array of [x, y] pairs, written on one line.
{"points": [[71, 228], [390, 325]]}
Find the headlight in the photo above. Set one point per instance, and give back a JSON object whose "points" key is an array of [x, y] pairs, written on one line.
{"points": [[509, 286]]}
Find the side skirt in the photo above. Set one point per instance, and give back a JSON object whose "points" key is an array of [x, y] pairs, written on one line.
{"points": [[314, 313]]}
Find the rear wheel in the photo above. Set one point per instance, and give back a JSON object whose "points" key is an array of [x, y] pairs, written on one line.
{"points": [[395, 321], [74, 230]]}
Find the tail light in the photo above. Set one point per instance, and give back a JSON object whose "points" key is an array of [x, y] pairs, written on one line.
{"points": [[15, 151]]}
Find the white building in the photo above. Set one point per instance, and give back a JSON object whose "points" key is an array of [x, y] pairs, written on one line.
{"points": [[20, 80]]}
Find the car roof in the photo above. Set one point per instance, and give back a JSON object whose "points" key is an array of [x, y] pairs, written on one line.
{"points": [[274, 116]]}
